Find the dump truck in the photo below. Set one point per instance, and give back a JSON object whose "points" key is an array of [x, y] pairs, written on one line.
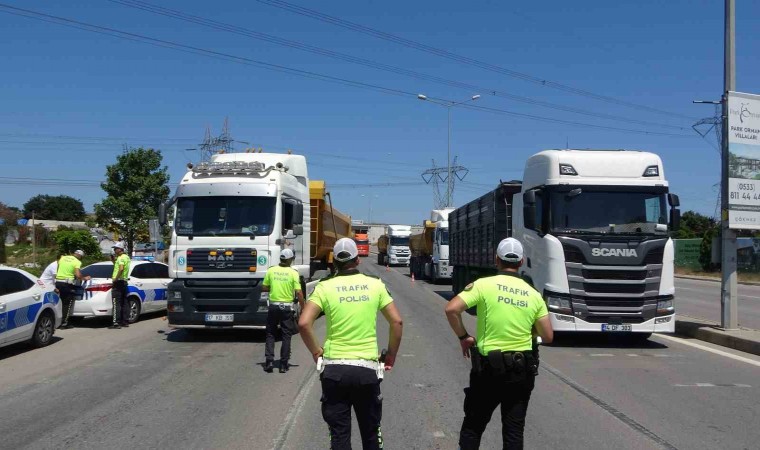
{"points": [[231, 217], [361, 238], [595, 229], [430, 248], [393, 246]]}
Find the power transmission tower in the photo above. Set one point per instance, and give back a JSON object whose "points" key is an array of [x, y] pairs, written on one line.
{"points": [[437, 175], [703, 128], [219, 144]]}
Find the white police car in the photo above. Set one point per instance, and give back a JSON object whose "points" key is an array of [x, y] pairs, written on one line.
{"points": [[29, 309], [146, 290]]}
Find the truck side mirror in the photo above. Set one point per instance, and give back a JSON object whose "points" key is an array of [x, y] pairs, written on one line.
{"points": [[529, 210], [297, 230], [298, 215], [162, 213], [675, 219], [674, 201]]}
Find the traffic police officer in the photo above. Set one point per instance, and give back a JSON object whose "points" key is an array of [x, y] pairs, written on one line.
{"points": [[119, 303], [351, 369], [504, 364], [65, 281], [283, 284]]}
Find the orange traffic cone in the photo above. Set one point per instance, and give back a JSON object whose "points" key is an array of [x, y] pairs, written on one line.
{"points": [[412, 277], [387, 269]]}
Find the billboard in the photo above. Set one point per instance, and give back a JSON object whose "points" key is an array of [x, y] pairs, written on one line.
{"points": [[743, 161]]}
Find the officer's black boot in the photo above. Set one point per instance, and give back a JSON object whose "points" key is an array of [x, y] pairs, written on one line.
{"points": [[284, 366], [269, 366]]}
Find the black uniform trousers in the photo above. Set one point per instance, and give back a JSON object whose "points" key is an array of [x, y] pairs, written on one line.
{"points": [[67, 294], [485, 393], [344, 387], [285, 318], [119, 302]]}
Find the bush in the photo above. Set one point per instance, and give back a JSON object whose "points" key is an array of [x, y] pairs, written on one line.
{"points": [[705, 250], [70, 240]]}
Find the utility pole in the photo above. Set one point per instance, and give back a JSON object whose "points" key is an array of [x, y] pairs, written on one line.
{"points": [[34, 242], [728, 295]]}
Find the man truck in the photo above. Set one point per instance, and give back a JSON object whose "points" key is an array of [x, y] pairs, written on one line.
{"points": [[231, 217], [594, 226], [430, 248], [393, 246]]}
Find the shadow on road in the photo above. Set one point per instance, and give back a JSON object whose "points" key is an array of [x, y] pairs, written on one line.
{"points": [[105, 321], [22, 347], [214, 336], [601, 340]]}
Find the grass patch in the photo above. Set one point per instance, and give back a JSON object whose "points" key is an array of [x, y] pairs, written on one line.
{"points": [[743, 276]]}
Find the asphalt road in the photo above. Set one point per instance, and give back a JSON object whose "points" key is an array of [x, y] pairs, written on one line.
{"points": [[701, 299], [150, 387]]}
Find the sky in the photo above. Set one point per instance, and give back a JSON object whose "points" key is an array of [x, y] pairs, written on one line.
{"points": [[70, 99]]}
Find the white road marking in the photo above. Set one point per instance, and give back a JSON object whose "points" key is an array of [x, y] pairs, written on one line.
{"points": [[293, 412], [438, 434], [713, 385], [408, 355], [419, 385], [711, 350], [602, 354]]}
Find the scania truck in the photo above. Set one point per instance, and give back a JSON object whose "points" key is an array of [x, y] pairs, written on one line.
{"points": [[393, 246], [430, 248], [231, 217], [595, 228]]}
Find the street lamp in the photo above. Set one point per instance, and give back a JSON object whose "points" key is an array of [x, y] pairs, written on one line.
{"points": [[369, 212], [448, 104]]}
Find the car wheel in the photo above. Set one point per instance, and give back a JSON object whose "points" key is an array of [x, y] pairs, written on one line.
{"points": [[44, 329], [134, 310]]}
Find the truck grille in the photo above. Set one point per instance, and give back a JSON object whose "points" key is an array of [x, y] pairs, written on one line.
{"points": [[219, 259], [611, 288], [605, 274]]}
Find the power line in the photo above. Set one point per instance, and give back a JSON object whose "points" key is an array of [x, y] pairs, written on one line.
{"points": [[459, 58], [278, 68], [179, 15]]}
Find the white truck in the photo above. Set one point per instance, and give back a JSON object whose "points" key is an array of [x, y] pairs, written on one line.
{"points": [[233, 215], [430, 248], [393, 246], [594, 225]]}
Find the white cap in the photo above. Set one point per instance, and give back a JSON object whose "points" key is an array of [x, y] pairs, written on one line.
{"points": [[510, 250], [79, 253], [287, 254], [118, 245], [345, 246]]}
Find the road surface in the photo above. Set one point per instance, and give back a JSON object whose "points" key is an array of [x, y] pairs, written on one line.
{"points": [[701, 299], [150, 387]]}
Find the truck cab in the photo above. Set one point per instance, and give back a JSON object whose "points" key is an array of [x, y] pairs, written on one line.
{"points": [[393, 247], [232, 217], [595, 228]]}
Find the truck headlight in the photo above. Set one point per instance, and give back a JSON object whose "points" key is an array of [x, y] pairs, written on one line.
{"points": [[177, 294], [174, 307], [264, 297], [558, 303], [665, 307]]}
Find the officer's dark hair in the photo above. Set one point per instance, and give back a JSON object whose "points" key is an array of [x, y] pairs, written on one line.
{"points": [[507, 265], [345, 265]]}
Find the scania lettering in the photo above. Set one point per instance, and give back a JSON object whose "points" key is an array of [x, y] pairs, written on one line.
{"points": [[595, 227]]}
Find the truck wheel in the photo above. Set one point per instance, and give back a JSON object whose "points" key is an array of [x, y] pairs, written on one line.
{"points": [[379, 259], [433, 275], [44, 329]]}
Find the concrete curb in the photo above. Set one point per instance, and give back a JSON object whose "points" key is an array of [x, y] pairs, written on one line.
{"points": [[743, 339], [716, 280]]}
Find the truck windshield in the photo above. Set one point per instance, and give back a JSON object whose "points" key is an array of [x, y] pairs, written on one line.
{"points": [[228, 216], [583, 210], [397, 240], [361, 241], [444, 236]]}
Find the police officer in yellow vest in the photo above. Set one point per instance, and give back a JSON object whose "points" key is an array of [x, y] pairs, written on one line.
{"points": [[119, 303], [283, 284], [351, 370], [65, 281], [504, 364]]}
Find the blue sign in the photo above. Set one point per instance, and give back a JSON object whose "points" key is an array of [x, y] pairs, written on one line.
{"points": [[22, 221]]}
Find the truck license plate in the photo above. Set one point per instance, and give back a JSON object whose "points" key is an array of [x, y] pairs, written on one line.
{"points": [[219, 317], [614, 327]]}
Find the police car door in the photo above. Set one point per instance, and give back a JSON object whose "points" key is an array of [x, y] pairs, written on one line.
{"points": [[140, 283], [20, 302], [161, 277]]}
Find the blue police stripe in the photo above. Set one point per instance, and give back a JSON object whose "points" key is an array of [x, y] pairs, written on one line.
{"points": [[20, 317], [134, 290]]}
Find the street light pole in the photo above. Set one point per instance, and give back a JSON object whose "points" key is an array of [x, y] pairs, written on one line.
{"points": [[448, 104]]}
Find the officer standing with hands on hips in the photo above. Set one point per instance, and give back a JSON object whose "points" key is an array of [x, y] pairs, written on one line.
{"points": [[65, 281], [283, 284], [119, 303], [350, 368], [504, 364]]}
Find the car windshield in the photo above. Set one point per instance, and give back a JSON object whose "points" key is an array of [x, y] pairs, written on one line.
{"points": [[229, 216], [444, 237], [395, 240], [98, 271], [583, 210]]}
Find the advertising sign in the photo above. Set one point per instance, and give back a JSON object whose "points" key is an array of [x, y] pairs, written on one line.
{"points": [[743, 161]]}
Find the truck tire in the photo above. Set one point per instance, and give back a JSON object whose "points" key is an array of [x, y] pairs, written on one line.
{"points": [[433, 274]]}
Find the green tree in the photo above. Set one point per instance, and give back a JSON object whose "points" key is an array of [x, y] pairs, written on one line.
{"points": [[694, 225], [135, 186], [59, 207], [70, 240]]}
